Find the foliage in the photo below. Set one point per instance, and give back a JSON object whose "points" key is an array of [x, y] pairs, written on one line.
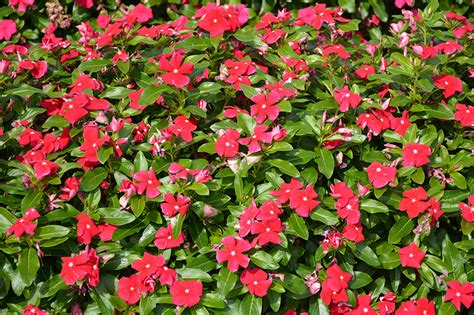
{"points": [[211, 159]]}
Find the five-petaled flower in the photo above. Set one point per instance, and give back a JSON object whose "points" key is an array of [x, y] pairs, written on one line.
{"points": [[415, 154], [345, 98], [233, 253], [449, 84], [467, 210], [186, 293], [176, 72], [257, 281], [411, 256], [459, 294], [380, 175]]}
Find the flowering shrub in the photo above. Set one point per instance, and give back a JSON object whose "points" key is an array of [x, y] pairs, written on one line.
{"points": [[224, 159]]}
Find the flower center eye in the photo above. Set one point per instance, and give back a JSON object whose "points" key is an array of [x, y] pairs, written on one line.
{"points": [[255, 282], [232, 253], [214, 21], [186, 291], [175, 71], [415, 151], [411, 255], [378, 169], [70, 264]]}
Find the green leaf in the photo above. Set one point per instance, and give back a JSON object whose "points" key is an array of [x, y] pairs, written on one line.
{"points": [[194, 43], [104, 153], [226, 281], [390, 260], [324, 216], [366, 254], [194, 274], [200, 188], [297, 226], [51, 231], [141, 163], [55, 121], [92, 179], [31, 200], [402, 228], [116, 216], [325, 161], [151, 93], [373, 206], [264, 260], [24, 91], [359, 280], [251, 305], [248, 90], [137, 204], [447, 308], [28, 265], [94, 65], [285, 166]]}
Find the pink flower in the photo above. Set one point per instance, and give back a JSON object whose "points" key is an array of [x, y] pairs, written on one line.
{"points": [[7, 29], [21, 4], [400, 3]]}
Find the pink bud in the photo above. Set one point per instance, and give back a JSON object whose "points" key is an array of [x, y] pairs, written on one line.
{"points": [[4, 65]]}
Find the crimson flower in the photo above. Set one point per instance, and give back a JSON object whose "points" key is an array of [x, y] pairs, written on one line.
{"points": [[171, 206], [380, 175], [33, 310], [214, 22], [450, 47], [415, 154], [7, 29], [365, 71], [149, 265], [21, 5], [400, 124], [465, 115], [353, 233], [349, 211], [425, 52], [247, 219], [106, 231], [86, 229], [337, 279], [269, 211], [467, 211], [45, 168], [400, 3], [425, 307], [129, 288], [303, 201], [387, 303], [38, 68], [70, 189], [259, 135], [345, 98], [146, 181], [24, 225], [286, 190], [414, 202], [459, 294], [264, 108], [227, 145], [257, 281], [363, 306], [267, 231], [407, 308], [30, 137], [78, 267], [232, 253], [411, 256], [183, 127], [449, 84], [164, 238], [176, 73], [186, 293]]}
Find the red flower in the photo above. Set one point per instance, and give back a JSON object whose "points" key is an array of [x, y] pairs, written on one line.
{"points": [[140, 13], [345, 98], [214, 22], [414, 202], [149, 265], [134, 97], [24, 224], [247, 219], [465, 115], [233, 253], [286, 190], [264, 108], [267, 231], [7, 29], [186, 293], [416, 155], [21, 4], [407, 308], [75, 268], [86, 229], [171, 206], [269, 211], [380, 175], [337, 279], [85, 3], [257, 281], [33, 310], [183, 127], [365, 71], [400, 3], [70, 189], [168, 276], [129, 288], [106, 231], [400, 124], [175, 71], [353, 233], [164, 238], [458, 294], [30, 137], [259, 135], [425, 307], [467, 211], [303, 201], [387, 303], [45, 168], [146, 181], [349, 211], [425, 52], [449, 84], [363, 306], [411, 256], [450, 47], [227, 145]]}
